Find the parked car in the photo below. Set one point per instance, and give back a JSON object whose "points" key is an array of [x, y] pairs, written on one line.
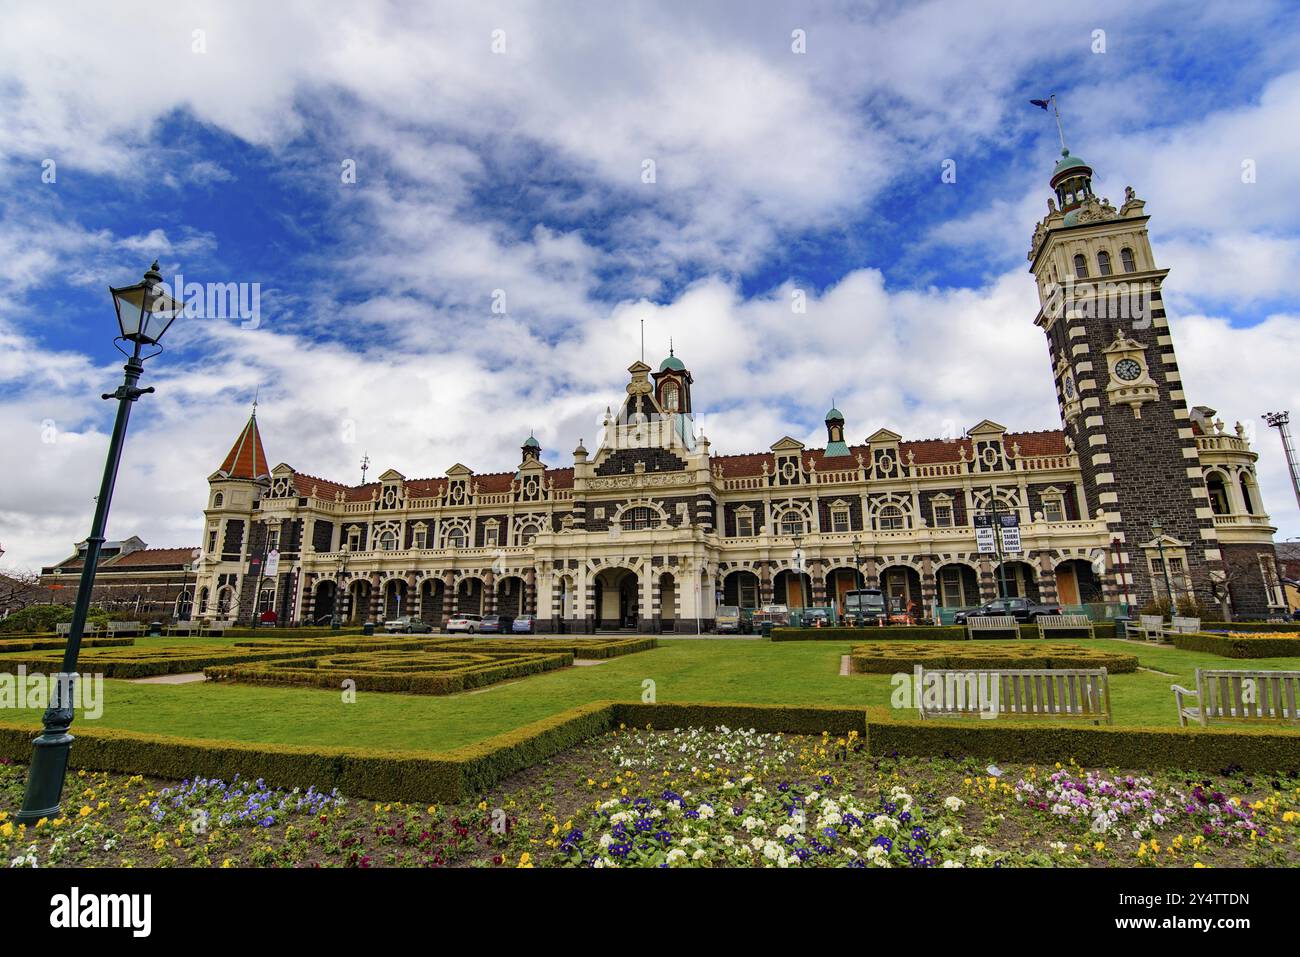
{"points": [[777, 616], [815, 617], [1021, 609], [865, 606], [405, 624], [495, 624], [462, 622], [524, 625]]}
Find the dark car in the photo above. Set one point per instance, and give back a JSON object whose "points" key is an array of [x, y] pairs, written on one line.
{"points": [[524, 625], [495, 624], [1021, 609]]}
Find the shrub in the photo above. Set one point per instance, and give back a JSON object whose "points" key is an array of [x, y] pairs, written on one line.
{"points": [[1241, 645], [144, 662], [37, 619], [437, 671], [893, 657], [44, 643], [1102, 629]]}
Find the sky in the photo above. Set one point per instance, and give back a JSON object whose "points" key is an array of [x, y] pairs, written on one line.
{"points": [[456, 216]]}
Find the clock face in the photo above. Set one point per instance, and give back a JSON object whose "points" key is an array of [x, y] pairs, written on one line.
{"points": [[1127, 369]]}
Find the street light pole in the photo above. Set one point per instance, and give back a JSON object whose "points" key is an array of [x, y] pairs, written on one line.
{"points": [[1158, 530], [144, 312], [997, 541]]}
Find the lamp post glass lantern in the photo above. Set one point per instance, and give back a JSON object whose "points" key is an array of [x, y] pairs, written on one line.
{"points": [[144, 312]]}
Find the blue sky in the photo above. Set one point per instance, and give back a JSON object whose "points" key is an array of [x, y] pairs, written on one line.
{"points": [[519, 173]]}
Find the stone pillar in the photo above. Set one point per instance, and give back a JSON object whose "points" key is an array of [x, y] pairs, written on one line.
{"points": [[1047, 593]]}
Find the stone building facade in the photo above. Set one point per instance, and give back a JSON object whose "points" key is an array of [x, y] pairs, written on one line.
{"points": [[1138, 495]]}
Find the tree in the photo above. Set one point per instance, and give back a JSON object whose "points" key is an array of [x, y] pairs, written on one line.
{"points": [[20, 588]]}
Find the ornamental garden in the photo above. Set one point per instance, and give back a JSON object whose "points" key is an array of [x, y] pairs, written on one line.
{"points": [[320, 748]]}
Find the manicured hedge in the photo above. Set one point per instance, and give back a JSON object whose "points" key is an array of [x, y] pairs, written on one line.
{"points": [[1212, 749], [886, 657], [1240, 646], [147, 662], [48, 644], [589, 648], [435, 672], [1255, 625], [1103, 629], [243, 631]]}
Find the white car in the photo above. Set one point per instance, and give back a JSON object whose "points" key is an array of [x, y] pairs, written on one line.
{"points": [[406, 625], [466, 623]]}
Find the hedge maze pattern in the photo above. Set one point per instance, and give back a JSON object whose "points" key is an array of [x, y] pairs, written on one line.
{"points": [[894, 656]]}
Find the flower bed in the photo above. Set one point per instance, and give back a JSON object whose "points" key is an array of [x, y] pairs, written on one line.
{"points": [[634, 797], [892, 657]]}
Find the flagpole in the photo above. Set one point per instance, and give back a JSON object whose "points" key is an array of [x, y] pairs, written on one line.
{"points": [[1060, 130]]}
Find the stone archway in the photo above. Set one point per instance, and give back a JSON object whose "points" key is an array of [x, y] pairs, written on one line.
{"points": [[325, 599], [511, 596], [742, 589], [432, 591], [357, 607], [902, 587], [792, 589], [469, 596], [396, 600], [618, 598]]}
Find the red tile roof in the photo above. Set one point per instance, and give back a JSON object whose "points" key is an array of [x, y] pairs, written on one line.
{"points": [[247, 460], [155, 556]]}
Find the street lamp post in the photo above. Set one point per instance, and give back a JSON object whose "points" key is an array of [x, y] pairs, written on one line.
{"points": [[144, 311], [193, 566], [1158, 531], [862, 582], [338, 587]]}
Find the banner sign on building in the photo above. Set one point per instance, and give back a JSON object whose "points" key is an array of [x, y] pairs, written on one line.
{"points": [[1010, 532]]}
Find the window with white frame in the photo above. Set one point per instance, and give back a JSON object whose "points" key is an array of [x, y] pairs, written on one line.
{"points": [[791, 523], [744, 523], [528, 534], [840, 518], [456, 537], [638, 517], [272, 540], [420, 536], [388, 540], [943, 516], [891, 518], [491, 534], [354, 539], [1268, 571]]}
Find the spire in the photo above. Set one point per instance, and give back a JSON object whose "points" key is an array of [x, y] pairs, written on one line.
{"points": [[247, 460]]}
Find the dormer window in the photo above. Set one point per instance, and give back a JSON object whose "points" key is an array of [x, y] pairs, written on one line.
{"points": [[218, 500]]}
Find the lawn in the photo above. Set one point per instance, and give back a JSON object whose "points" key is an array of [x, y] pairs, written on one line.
{"points": [[682, 670]]}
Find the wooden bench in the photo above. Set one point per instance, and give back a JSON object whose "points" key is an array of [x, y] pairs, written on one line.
{"points": [[1048, 623], [63, 629], [1183, 626], [186, 628], [1151, 627], [1020, 693], [216, 627], [1237, 695], [124, 627], [991, 623]]}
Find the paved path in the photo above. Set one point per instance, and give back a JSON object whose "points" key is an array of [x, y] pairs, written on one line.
{"points": [[844, 665]]}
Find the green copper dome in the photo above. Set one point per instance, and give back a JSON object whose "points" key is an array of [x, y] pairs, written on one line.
{"points": [[673, 363], [834, 414], [1068, 162], [531, 443]]}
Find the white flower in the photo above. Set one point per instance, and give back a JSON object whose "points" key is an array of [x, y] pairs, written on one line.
{"points": [[979, 851], [698, 854], [705, 811], [953, 803], [1058, 846], [675, 855], [752, 823], [606, 840], [951, 863]]}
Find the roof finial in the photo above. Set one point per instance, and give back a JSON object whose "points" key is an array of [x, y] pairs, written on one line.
{"points": [[257, 390], [670, 346], [365, 464]]}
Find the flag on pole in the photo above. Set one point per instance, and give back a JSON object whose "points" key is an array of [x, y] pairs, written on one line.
{"points": [[1041, 104]]}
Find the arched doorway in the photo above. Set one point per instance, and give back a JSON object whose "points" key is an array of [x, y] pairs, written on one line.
{"points": [[958, 586], [431, 595], [667, 602], [395, 599], [902, 587], [792, 589], [1022, 580], [469, 596], [225, 603], [564, 585], [184, 605], [510, 596], [1076, 584], [839, 581], [741, 589], [324, 600], [618, 603], [357, 608]]}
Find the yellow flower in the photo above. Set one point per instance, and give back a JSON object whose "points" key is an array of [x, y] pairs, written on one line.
{"points": [[85, 811], [227, 863], [1099, 846], [1198, 864], [433, 809], [6, 829], [525, 859]]}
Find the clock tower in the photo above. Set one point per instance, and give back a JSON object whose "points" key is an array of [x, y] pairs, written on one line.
{"points": [[1119, 389]]}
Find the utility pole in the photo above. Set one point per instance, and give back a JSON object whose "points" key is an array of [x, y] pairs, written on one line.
{"points": [[1280, 421]]}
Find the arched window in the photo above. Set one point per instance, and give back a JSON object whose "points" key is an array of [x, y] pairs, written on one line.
{"points": [[891, 517], [456, 538], [218, 500], [791, 523], [388, 540], [1080, 266], [639, 517], [528, 535], [1246, 498], [1126, 260], [1103, 263], [1218, 494], [184, 605], [671, 397]]}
